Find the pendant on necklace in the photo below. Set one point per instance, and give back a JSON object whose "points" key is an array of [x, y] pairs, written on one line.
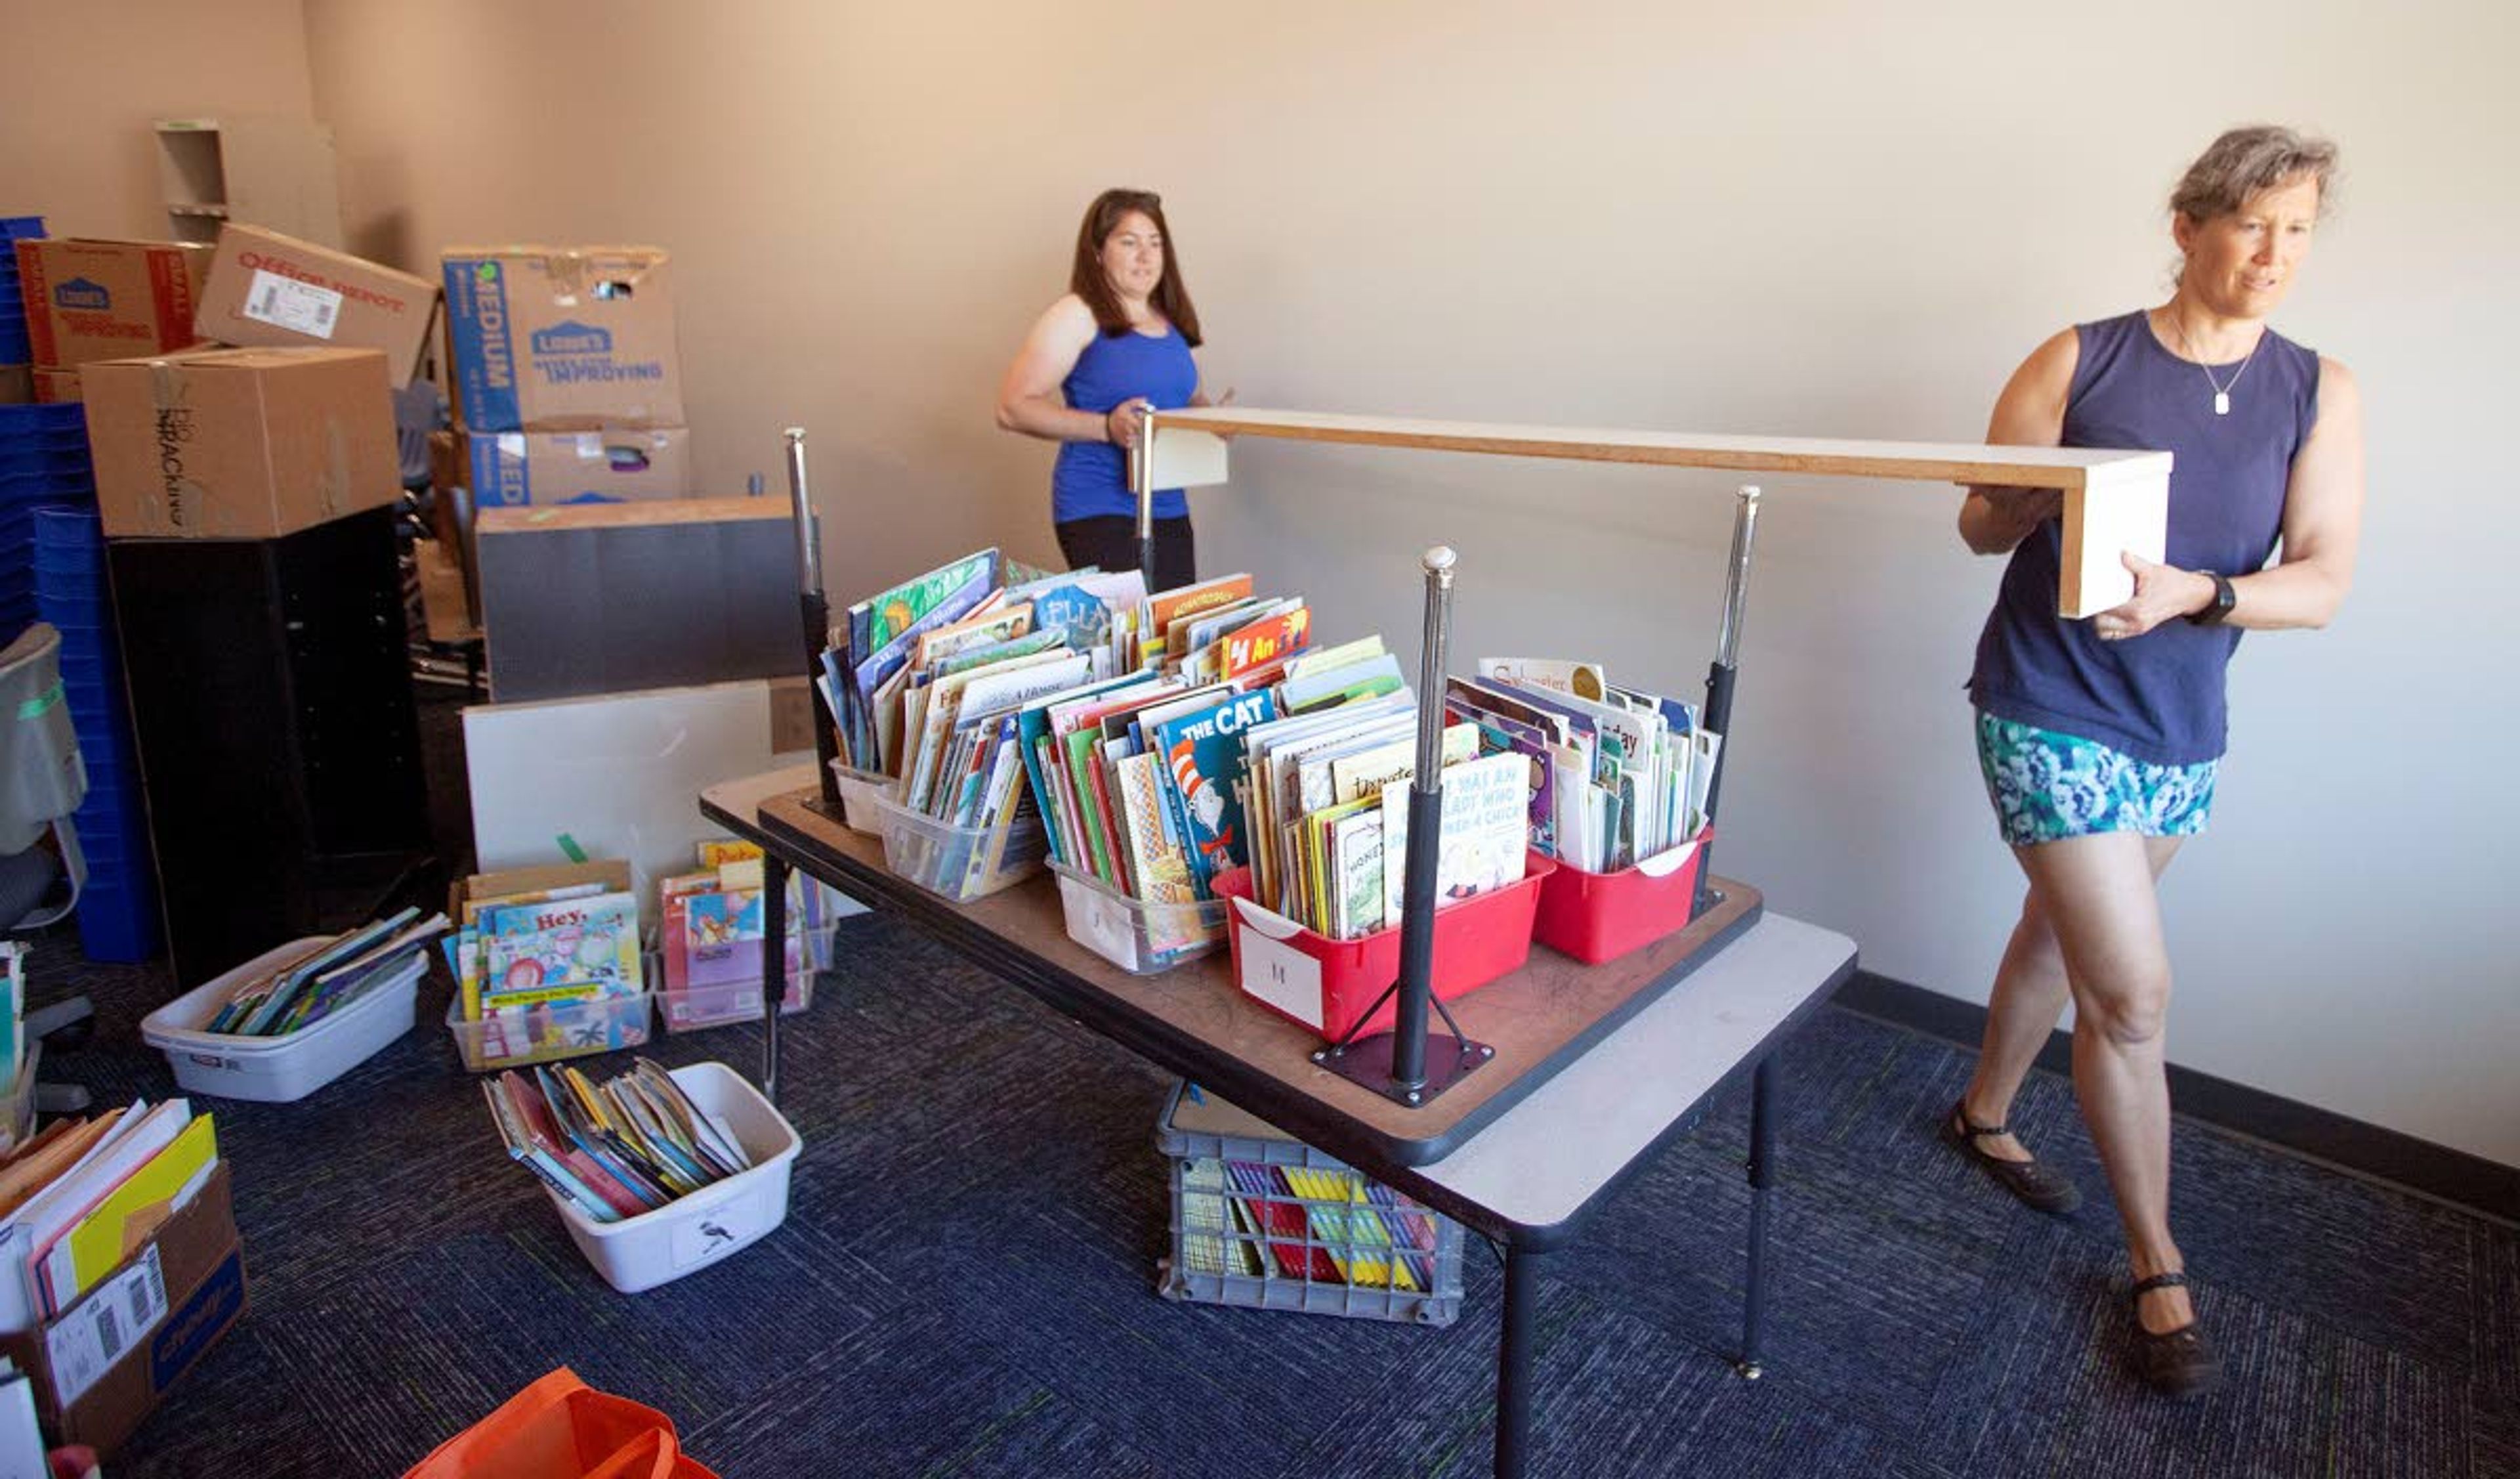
{"points": [[2221, 402]]}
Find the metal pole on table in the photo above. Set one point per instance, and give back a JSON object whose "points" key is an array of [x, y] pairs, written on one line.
{"points": [[1425, 837], [774, 966], [816, 611], [1141, 476], [1717, 713]]}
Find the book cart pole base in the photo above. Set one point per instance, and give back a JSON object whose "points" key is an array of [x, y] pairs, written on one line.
{"points": [[1721, 673], [1412, 1080], [815, 610]]}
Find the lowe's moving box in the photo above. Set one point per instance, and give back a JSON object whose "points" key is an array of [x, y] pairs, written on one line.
{"points": [[100, 1365], [240, 444], [558, 339], [615, 465], [53, 387], [105, 299], [268, 289]]}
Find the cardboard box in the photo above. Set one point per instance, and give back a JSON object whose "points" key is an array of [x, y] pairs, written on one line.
{"points": [[95, 1370], [561, 339], [615, 465], [268, 289], [240, 444], [17, 385], [88, 299], [55, 387]]}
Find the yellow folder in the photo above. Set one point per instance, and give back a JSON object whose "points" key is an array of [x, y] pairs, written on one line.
{"points": [[132, 1211]]}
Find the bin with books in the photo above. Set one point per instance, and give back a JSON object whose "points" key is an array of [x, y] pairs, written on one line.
{"points": [[285, 1024], [709, 937], [655, 1175], [547, 966], [1265, 1222], [1620, 781]]}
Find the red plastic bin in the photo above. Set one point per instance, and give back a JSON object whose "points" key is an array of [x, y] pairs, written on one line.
{"points": [[1326, 985], [1601, 916]]}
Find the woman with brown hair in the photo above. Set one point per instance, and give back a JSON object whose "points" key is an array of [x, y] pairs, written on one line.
{"points": [[2100, 739], [1118, 341]]}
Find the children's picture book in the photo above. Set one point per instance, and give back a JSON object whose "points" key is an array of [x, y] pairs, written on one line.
{"points": [[1203, 753], [1483, 828]]}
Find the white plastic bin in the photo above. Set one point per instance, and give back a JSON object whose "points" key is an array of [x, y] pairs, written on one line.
{"points": [[1140, 938], [962, 863], [858, 790], [277, 1070], [695, 1231], [565, 1030]]}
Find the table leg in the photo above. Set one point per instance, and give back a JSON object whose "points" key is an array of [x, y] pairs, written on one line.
{"points": [[774, 966], [1762, 1169], [1523, 1268]]}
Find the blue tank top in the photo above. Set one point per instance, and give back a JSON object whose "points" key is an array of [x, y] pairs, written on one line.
{"points": [[2158, 698], [1092, 478]]}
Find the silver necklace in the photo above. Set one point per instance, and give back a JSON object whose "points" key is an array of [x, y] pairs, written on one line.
{"points": [[2221, 392]]}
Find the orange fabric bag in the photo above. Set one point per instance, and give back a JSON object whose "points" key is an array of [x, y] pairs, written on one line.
{"points": [[561, 1428]]}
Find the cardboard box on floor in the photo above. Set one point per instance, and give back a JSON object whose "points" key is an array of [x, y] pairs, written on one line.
{"points": [[271, 290], [613, 873], [17, 385], [97, 1371], [240, 444], [56, 386], [89, 299], [561, 339], [615, 465]]}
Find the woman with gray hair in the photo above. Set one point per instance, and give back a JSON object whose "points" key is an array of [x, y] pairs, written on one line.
{"points": [[2099, 739]]}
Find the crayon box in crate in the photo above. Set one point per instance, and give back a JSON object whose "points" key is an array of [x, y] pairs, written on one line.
{"points": [[1264, 1222], [518, 1023]]}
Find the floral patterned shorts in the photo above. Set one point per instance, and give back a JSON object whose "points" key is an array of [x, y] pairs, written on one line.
{"points": [[2048, 786]]}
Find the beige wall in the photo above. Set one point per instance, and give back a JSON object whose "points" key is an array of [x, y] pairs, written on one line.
{"points": [[1814, 219], [81, 85]]}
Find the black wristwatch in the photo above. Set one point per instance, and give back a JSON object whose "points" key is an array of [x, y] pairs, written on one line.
{"points": [[2225, 598]]}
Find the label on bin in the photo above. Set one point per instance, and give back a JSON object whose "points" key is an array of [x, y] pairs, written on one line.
{"points": [[299, 307], [720, 1229], [1283, 976]]}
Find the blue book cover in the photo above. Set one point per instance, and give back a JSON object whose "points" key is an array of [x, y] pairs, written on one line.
{"points": [[1202, 752]]}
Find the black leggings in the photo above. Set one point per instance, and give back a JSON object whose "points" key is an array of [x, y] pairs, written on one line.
{"points": [[1110, 540]]}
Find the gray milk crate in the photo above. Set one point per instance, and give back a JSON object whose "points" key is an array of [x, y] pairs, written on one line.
{"points": [[1265, 1222]]}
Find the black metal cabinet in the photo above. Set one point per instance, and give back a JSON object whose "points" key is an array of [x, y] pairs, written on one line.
{"points": [[271, 695]]}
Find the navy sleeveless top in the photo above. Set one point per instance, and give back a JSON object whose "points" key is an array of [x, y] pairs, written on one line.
{"points": [[1092, 478], [2159, 697]]}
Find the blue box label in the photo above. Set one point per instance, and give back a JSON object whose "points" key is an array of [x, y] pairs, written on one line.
{"points": [[184, 1335], [83, 296], [485, 356]]}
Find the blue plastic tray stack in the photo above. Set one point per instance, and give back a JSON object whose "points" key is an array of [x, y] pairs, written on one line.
{"points": [[16, 348], [118, 915]]}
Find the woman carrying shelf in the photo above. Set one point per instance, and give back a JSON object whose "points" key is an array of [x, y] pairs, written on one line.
{"points": [[1116, 344], [2100, 739]]}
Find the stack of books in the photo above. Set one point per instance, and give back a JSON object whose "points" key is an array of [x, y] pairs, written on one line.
{"points": [[611, 1151], [532, 969], [75, 1199], [329, 977], [710, 932]]}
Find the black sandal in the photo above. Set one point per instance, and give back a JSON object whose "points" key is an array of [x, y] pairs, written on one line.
{"points": [[2182, 1363], [2048, 1190]]}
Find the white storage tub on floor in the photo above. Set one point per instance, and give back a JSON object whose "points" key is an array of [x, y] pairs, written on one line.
{"points": [[692, 1232], [277, 1070]]}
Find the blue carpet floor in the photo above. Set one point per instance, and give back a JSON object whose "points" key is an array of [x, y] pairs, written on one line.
{"points": [[964, 1286]]}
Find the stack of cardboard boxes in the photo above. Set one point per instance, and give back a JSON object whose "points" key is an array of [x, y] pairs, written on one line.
{"points": [[567, 383], [89, 300]]}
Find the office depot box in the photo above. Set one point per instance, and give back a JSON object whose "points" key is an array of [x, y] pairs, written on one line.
{"points": [[56, 386], [240, 444], [615, 465], [88, 299], [561, 339], [101, 1366], [266, 289]]}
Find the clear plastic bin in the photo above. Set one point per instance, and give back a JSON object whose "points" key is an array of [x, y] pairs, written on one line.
{"points": [[716, 1005], [858, 790], [543, 1034], [962, 863], [1140, 938], [694, 1232]]}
